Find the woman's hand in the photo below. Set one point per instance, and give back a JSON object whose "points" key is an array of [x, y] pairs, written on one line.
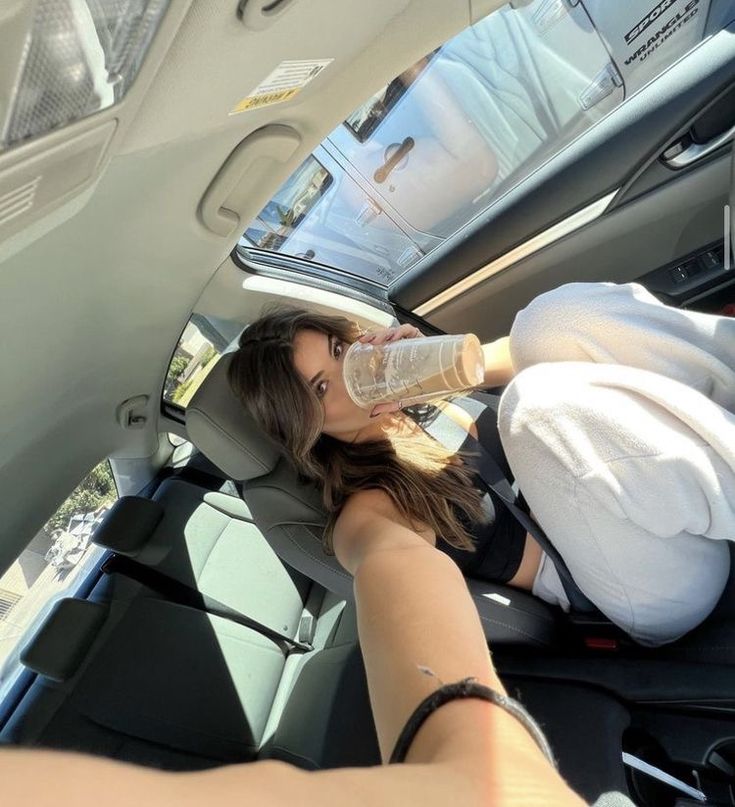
{"points": [[380, 336]]}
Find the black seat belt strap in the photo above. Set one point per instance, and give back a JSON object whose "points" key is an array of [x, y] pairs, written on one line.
{"points": [[493, 477], [178, 592], [451, 434]]}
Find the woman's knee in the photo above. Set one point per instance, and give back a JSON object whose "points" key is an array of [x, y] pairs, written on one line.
{"points": [[543, 411], [576, 322], [676, 606], [545, 330]]}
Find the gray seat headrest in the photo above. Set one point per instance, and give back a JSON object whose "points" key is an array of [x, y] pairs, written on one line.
{"points": [[63, 640], [224, 432], [128, 525]]}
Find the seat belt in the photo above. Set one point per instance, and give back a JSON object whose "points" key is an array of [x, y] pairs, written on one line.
{"points": [[178, 592], [494, 478]]}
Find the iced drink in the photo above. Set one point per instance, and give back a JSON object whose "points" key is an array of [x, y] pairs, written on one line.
{"points": [[412, 370]]}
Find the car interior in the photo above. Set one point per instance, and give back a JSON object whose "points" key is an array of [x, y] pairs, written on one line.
{"points": [[122, 250]]}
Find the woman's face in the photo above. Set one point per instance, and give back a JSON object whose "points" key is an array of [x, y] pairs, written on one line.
{"points": [[318, 359]]}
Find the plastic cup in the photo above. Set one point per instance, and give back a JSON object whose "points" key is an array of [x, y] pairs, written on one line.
{"points": [[412, 370]]}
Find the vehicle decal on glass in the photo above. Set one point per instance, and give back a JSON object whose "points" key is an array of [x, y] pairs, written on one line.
{"points": [[650, 18], [667, 30]]}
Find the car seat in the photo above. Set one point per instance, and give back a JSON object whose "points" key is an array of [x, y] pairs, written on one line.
{"points": [[291, 516]]}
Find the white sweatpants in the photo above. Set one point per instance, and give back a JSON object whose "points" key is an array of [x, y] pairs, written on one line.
{"points": [[619, 429]]}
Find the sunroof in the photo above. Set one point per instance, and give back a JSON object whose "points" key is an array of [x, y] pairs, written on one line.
{"points": [[450, 135]]}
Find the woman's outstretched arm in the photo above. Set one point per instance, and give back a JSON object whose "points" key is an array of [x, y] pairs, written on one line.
{"points": [[414, 611], [414, 614]]}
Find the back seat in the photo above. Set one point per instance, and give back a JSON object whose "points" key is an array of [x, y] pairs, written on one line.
{"points": [[129, 675], [132, 676]]}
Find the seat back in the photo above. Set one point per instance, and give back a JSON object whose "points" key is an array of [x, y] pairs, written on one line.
{"points": [[288, 512], [132, 675], [291, 516]]}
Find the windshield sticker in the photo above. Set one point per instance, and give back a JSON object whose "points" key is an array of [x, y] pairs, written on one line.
{"points": [[668, 29], [285, 82]]}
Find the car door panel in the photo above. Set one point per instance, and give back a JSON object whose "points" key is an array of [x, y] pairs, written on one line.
{"points": [[621, 246]]}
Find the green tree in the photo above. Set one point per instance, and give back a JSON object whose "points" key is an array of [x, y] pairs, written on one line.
{"points": [[178, 365], [96, 489], [175, 371]]}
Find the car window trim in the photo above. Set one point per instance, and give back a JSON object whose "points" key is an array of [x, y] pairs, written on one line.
{"points": [[538, 242]]}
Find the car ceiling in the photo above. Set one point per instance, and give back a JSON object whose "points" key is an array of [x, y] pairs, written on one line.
{"points": [[94, 295]]}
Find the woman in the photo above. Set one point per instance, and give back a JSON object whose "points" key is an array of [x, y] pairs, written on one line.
{"points": [[616, 422]]}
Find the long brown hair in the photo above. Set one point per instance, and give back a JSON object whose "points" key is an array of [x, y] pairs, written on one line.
{"points": [[425, 481]]}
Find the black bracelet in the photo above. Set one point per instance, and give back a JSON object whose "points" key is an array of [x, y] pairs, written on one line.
{"points": [[467, 688]]}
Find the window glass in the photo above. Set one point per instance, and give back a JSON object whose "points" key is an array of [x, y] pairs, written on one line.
{"points": [[196, 354], [52, 566], [288, 208], [368, 116], [458, 129]]}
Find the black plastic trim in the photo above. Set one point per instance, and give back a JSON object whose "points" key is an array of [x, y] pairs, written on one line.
{"points": [[287, 267], [690, 277], [657, 173], [173, 411]]}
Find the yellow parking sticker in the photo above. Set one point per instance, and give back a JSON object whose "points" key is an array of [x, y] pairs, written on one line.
{"points": [[285, 82], [253, 101]]}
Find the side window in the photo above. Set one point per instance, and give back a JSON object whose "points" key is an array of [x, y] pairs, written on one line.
{"points": [[195, 356], [52, 566], [325, 215], [454, 132]]}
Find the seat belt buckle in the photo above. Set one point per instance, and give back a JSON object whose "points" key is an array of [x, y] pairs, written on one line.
{"points": [[595, 632], [601, 643], [307, 625]]}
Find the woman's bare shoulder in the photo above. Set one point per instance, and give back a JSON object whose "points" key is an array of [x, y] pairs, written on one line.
{"points": [[369, 500], [371, 520], [364, 509], [372, 503]]}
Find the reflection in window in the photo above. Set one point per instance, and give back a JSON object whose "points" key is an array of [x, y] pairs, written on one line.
{"points": [[367, 117], [455, 132], [288, 208]]}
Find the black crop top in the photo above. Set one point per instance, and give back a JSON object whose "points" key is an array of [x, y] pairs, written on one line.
{"points": [[501, 539]]}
